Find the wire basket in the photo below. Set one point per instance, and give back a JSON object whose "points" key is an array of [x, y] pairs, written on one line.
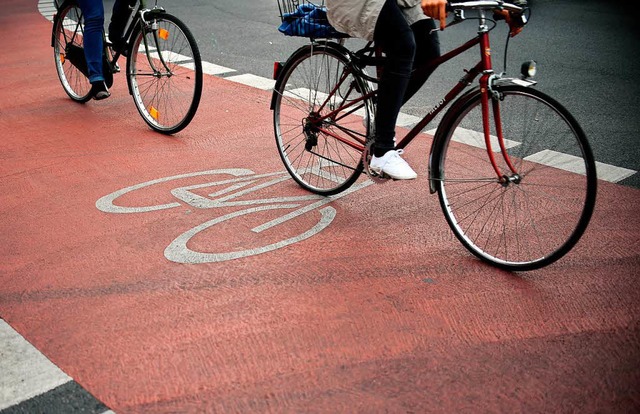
{"points": [[290, 6], [306, 19]]}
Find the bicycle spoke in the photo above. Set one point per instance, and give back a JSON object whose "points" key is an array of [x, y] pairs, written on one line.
{"points": [[165, 72], [527, 220], [319, 141]]}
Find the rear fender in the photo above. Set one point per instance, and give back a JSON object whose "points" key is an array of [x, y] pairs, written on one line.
{"points": [[302, 51]]}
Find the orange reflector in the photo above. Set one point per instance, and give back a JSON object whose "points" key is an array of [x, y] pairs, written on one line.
{"points": [[163, 34], [61, 58], [154, 113]]}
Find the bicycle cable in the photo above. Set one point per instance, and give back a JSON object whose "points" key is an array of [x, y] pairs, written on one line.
{"points": [[506, 46]]}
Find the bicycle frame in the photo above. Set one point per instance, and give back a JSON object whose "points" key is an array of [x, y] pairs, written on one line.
{"points": [[138, 18], [484, 69]]}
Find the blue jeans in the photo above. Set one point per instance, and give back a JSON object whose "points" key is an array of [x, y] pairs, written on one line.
{"points": [[93, 12]]}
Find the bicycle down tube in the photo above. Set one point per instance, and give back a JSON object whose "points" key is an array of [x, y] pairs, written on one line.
{"points": [[466, 80]]}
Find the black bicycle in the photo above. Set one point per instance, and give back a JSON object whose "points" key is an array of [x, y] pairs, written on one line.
{"points": [[163, 64]]}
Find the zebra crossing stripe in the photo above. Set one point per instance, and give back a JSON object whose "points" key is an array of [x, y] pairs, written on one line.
{"points": [[29, 381], [25, 371], [575, 164], [253, 80]]}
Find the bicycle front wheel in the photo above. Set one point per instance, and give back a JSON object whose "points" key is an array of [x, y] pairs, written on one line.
{"points": [[534, 214], [68, 52], [321, 119], [164, 71]]}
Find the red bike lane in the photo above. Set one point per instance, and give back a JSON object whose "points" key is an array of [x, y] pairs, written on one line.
{"points": [[118, 265]]}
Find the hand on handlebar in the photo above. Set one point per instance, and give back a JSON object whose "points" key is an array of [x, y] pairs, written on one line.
{"points": [[436, 9], [516, 23]]}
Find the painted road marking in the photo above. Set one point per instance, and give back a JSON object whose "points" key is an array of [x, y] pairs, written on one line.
{"points": [[476, 139], [225, 193], [25, 371], [575, 164], [29, 382], [253, 80], [212, 69], [47, 9], [406, 120]]}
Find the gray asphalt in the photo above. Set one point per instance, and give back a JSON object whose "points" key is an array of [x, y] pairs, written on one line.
{"points": [[587, 52]]}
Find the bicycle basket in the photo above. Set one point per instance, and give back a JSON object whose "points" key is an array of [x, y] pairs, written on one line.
{"points": [[306, 19]]}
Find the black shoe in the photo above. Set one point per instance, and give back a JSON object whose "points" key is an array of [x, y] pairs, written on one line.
{"points": [[118, 46], [99, 90]]}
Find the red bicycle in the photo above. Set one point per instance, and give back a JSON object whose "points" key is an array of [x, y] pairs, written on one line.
{"points": [[513, 170]]}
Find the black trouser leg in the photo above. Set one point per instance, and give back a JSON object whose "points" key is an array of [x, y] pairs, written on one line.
{"points": [[397, 41]]}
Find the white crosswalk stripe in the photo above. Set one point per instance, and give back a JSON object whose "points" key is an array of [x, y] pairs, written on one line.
{"points": [[25, 371]]}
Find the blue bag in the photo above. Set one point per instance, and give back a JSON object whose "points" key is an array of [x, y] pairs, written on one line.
{"points": [[308, 20]]}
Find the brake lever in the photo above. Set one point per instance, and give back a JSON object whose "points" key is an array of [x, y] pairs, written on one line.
{"points": [[458, 17]]}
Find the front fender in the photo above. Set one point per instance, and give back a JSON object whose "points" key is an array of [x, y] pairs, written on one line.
{"points": [[441, 135], [439, 138]]}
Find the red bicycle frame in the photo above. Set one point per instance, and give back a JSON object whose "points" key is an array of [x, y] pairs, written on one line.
{"points": [[483, 68]]}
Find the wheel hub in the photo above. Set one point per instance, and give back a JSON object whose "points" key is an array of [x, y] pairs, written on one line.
{"points": [[511, 179], [311, 129]]}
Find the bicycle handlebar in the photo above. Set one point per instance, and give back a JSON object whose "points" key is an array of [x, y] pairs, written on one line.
{"points": [[515, 15], [486, 5]]}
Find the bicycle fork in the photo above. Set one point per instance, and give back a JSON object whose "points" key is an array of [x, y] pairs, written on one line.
{"points": [[147, 26], [490, 96]]}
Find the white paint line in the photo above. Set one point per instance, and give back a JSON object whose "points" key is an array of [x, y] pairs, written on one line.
{"points": [[187, 62], [306, 94], [575, 164], [170, 56], [212, 69], [558, 160], [476, 139], [406, 120], [612, 173], [25, 372], [253, 80]]}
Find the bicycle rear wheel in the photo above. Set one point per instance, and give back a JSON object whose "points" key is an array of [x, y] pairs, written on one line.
{"points": [[68, 52], [166, 82], [529, 218], [321, 120]]}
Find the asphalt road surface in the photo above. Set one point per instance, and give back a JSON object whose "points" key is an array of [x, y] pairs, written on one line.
{"points": [[150, 273]]}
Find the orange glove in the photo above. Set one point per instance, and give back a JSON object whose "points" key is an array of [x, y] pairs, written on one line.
{"points": [[514, 27], [436, 9]]}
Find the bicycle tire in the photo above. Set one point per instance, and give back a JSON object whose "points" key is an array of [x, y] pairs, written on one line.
{"points": [[322, 156], [166, 100], [540, 213], [68, 52]]}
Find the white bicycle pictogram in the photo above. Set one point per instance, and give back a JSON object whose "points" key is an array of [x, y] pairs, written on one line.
{"points": [[228, 193]]}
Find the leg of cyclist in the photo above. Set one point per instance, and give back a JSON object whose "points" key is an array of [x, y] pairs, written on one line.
{"points": [[427, 49], [119, 17], [394, 35], [93, 13]]}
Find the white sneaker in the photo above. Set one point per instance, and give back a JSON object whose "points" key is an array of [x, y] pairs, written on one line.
{"points": [[392, 165]]}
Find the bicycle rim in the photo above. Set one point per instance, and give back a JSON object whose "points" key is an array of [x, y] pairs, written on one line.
{"points": [[68, 49], [540, 212], [167, 84], [319, 138]]}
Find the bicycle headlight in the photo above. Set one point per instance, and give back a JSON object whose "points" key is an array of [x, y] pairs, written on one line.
{"points": [[529, 69]]}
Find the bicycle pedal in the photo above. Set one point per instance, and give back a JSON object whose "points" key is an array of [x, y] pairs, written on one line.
{"points": [[379, 178]]}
